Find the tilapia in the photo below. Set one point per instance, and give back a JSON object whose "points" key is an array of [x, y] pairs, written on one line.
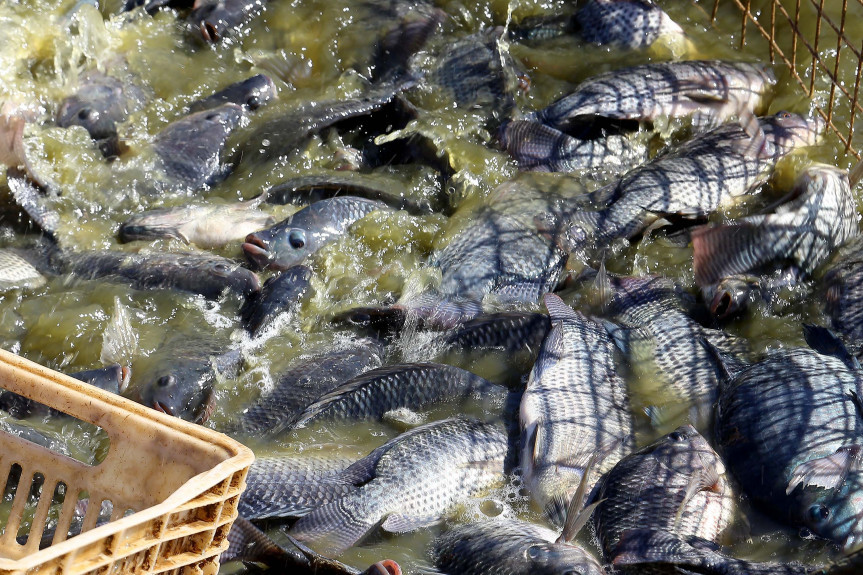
{"points": [[843, 282], [306, 380], [625, 23], [409, 482], [509, 547], [509, 331], [676, 484], [189, 149], [664, 344], [180, 382], [210, 225], [693, 180], [800, 235], [251, 93], [215, 19], [280, 294], [574, 408], [202, 274], [292, 485], [18, 273], [415, 386], [712, 90], [294, 239], [791, 431]]}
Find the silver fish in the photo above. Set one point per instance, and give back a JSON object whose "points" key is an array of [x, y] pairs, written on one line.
{"points": [[800, 234], [676, 484], [409, 482], [509, 547], [574, 408], [625, 23]]}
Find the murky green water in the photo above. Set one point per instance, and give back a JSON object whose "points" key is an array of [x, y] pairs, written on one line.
{"points": [[318, 50]]}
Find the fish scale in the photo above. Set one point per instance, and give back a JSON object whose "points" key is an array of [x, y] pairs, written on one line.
{"points": [[785, 426], [574, 406], [694, 179], [409, 482], [627, 23], [676, 484], [844, 286]]}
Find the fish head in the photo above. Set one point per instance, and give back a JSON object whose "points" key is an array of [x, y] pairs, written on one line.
{"points": [[732, 295], [185, 390], [255, 92], [97, 107], [279, 247], [836, 514], [560, 559], [687, 451], [789, 131], [237, 278], [222, 119]]}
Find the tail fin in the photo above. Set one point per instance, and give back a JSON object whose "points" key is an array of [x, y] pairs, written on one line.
{"points": [[336, 526]]}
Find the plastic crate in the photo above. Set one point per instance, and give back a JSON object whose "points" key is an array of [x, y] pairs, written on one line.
{"points": [[180, 482], [812, 41]]}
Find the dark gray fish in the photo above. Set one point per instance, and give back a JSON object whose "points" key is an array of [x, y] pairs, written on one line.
{"points": [[113, 379], [216, 19], [541, 148], [209, 225], [302, 234], [100, 104], [251, 94], [409, 482], [676, 484], [655, 552], [189, 149], [625, 23], [694, 179], [509, 331], [207, 275], [180, 381], [843, 281], [415, 386], [292, 485], [509, 547], [574, 409], [412, 24], [280, 134], [800, 234], [711, 90], [311, 189], [664, 344], [305, 381], [280, 294], [791, 432]]}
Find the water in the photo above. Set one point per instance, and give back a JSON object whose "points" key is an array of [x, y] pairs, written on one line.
{"points": [[318, 50]]}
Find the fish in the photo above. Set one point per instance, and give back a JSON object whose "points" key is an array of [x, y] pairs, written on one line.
{"points": [[189, 149], [294, 239], [408, 483], [664, 344], [415, 386], [677, 484], [251, 94], [18, 273], [181, 378], [99, 105], [113, 378], [630, 24], [843, 289], [408, 25], [693, 180], [217, 19], [655, 552], [209, 225], [800, 234], [206, 275], [509, 331], [281, 294], [305, 380], [574, 408], [712, 91], [790, 430], [292, 485], [509, 547]]}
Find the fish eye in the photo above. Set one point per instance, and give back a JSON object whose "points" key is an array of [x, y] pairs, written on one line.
{"points": [[166, 381], [253, 102], [819, 513], [297, 239], [535, 552], [571, 572], [676, 436], [86, 114], [220, 268]]}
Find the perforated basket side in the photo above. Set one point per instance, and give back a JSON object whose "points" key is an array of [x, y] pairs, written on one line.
{"points": [[180, 482]]}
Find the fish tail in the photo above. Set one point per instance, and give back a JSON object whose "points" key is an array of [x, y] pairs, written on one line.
{"points": [[336, 526]]}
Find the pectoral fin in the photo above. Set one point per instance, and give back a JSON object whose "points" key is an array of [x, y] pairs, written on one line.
{"points": [[826, 472]]}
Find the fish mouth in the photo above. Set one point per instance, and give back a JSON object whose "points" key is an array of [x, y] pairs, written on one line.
{"points": [[256, 252], [385, 567], [124, 378], [159, 406]]}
